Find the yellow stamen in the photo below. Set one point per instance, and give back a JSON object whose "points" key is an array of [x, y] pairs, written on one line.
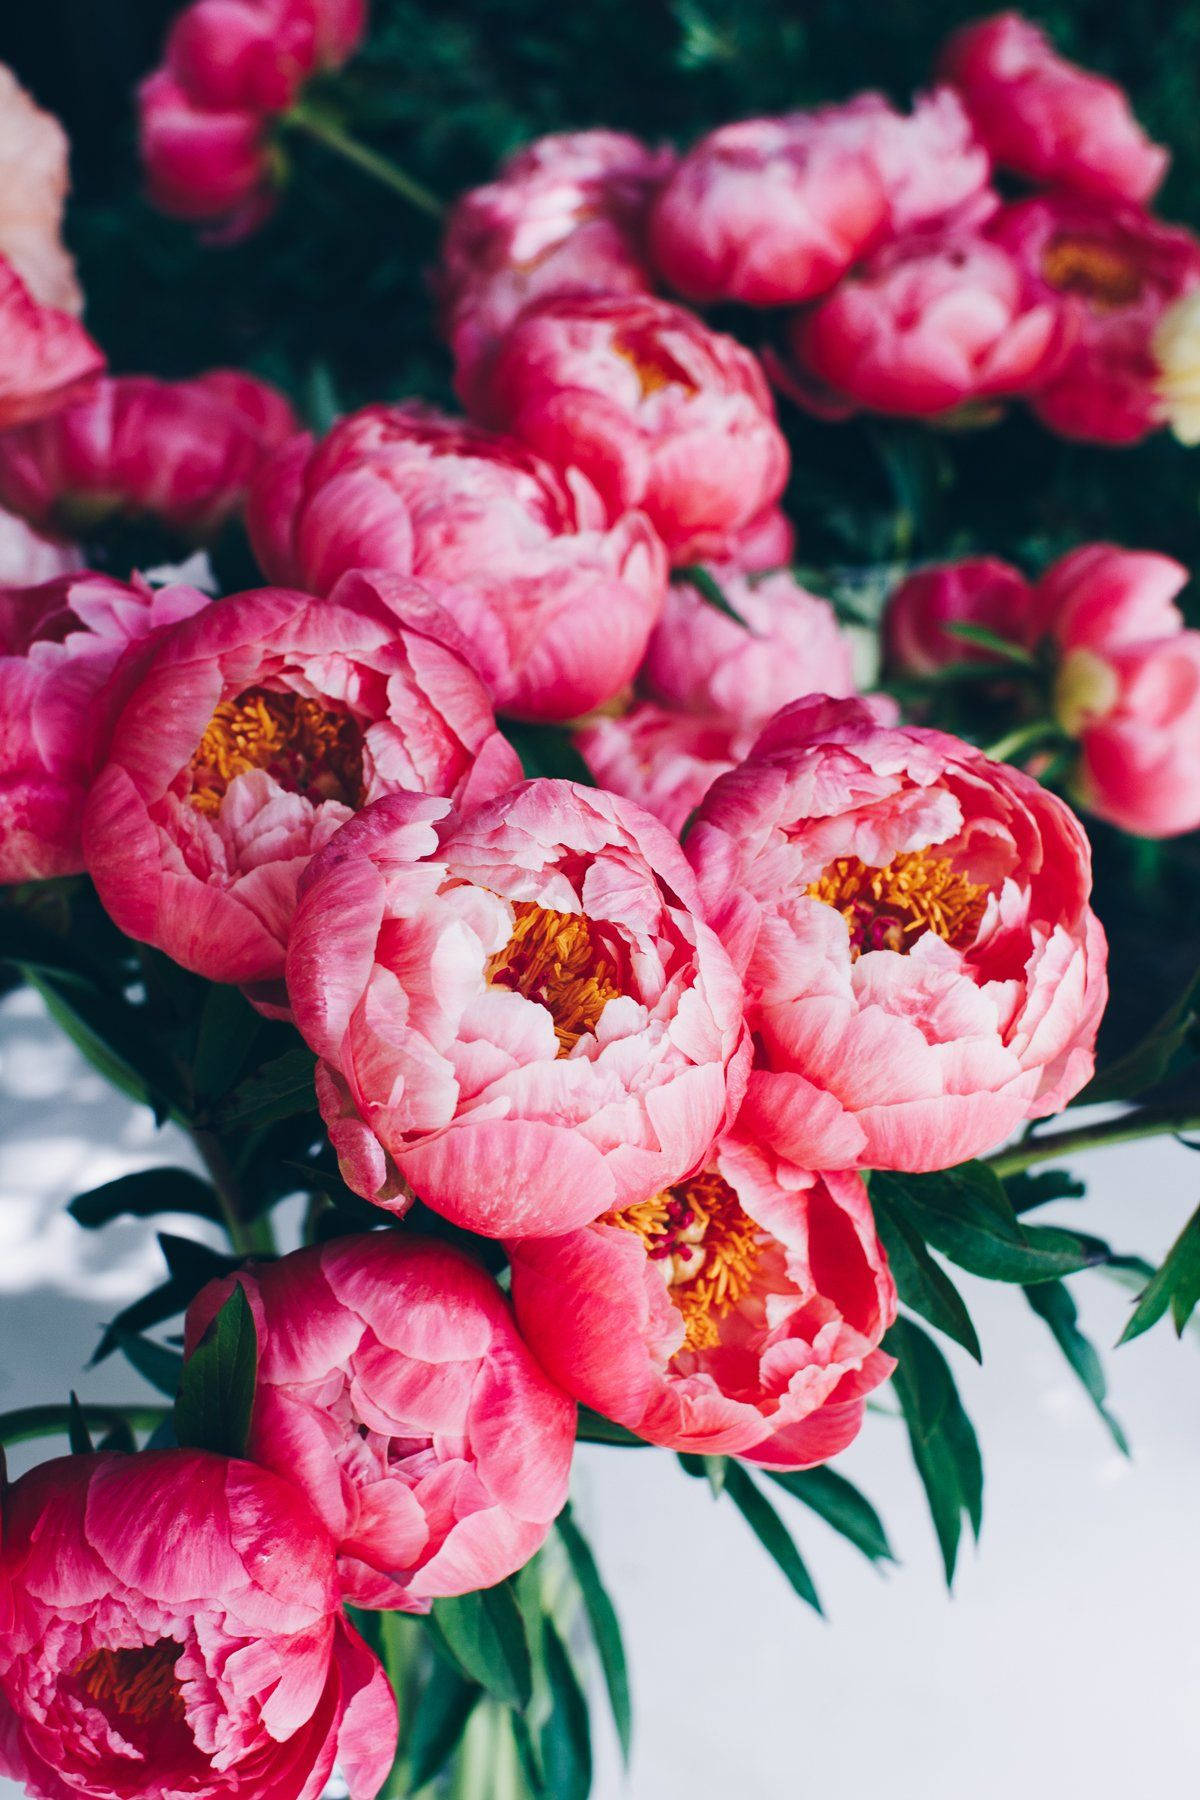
{"points": [[890, 908], [654, 366], [138, 1684], [309, 748], [1096, 271], [709, 1246], [556, 959]]}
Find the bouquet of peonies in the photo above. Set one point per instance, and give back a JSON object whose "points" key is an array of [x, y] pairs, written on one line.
{"points": [[648, 945]]}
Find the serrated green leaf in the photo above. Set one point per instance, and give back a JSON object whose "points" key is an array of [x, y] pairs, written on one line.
{"points": [[565, 1739], [771, 1532], [841, 1505], [921, 1283], [944, 1446], [216, 1388], [1052, 1302], [279, 1090], [142, 1195], [78, 1435], [1176, 1285], [965, 1213], [484, 1634], [604, 1623]]}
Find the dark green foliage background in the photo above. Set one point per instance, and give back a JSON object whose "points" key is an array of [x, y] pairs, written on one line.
{"points": [[334, 291]]}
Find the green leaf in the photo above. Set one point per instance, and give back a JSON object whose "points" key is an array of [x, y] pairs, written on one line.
{"points": [[228, 1032], [29, 1422], [1175, 1285], [594, 1428], [771, 1532], [944, 1446], [604, 1623], [142, 1195], [921, 1283], [110, 1035], [484, 1634], [841, 1505], [161, 1366], [1038, 1187], [991, 640], [565, 1738], [119, 1438], [78, 1435], [711, 590], [279, 1090], [1148, 1062], [965, 1213], [547, 752], [1052, 1302], [216, 1388], [446, 1703]]}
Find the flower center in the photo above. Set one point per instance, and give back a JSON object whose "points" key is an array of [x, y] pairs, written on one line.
{"points": [[654, 366], [1093, 270], [890, 908], [308, 748], [708, 1245], [557, 959], [137, 1684]]}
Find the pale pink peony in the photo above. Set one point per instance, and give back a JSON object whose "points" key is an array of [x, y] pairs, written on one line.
{"points": [[923, 971], [1113, 272], [1127, 686], [47, 359], [251, 735], [926, 326], [393, 1389], [556, 603], [980, 590], [659, 413], [182, 453], [934, 170], [60, 647], [27, 559], [662, 759], [518, 1010], [1045, 117], [34, 179], [566, 215], [171, 1627], [729, 1314]]}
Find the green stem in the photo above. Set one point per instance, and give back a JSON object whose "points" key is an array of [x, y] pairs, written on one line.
{"points": [[52, 1421], [1149, 1121], [323, 130], [1023, 739], [227, 1187]]}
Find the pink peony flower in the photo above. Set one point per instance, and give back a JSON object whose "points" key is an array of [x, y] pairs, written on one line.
{"points": [[658, 412], [231, 66], [1127, 686], [934, 170], [518, 1010], [1046, 118], [789, 644], [393, 1389], [180, 452], [1113, 272], [172, 1627], [47, 359], [923, 971], [980, 590], [60, 646], [564, 215], [34, 179], [556, 603], [662, 759], [727, 1314], [27, 559], [251, 735], [928, 325]]}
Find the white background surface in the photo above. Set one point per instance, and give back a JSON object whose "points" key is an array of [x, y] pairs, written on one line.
{"points": [[1067, 1665]]}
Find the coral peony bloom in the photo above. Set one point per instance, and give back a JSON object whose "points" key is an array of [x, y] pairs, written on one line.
{"points": [[662, 759], [934, 170], [34, 179], [927, 325], [179, 452], [923, 970], [659, 413], [518, 1010], [1127, 686], [252, 734], [47, 359], [1115, 272], [789, 644], [394, 1390], [556, 604], [980, 590], [231, 66], [172, 1627], [727, 1314], [60, 645], [1046, 118], [564, 215]]}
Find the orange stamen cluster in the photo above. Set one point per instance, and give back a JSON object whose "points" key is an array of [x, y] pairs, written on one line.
{"points": [[555, 959], [138, 1684], [710, 1246], [307, 747], [1094, 270], [654, 366], [890, 908]]}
